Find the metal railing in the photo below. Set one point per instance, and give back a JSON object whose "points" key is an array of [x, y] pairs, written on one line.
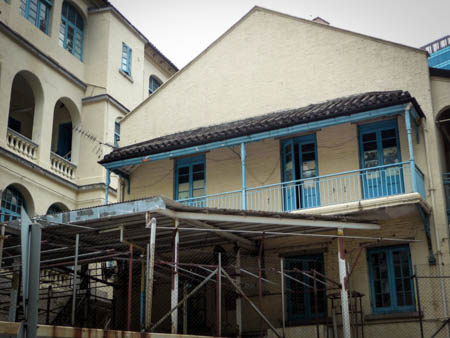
{"points": [[61, 166], [21, 145], [437, 45], [332, 189]]}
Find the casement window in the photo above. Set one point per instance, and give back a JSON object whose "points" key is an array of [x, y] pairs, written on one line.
{"points": [[190, 174], [301, 299], [12, 204], [154, 84], [380, 149], [116, 134], [391, 285], [301, 189], [126, 59], [71, 30], [37, 12]]}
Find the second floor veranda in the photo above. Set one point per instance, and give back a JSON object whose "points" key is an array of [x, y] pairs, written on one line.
{"points": [[374, 155]]}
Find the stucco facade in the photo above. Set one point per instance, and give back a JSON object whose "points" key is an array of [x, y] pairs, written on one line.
{"points": [[44, 87]]}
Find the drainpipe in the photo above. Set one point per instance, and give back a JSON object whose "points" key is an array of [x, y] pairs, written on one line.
{"points": [[412, 162], [436, 231]]}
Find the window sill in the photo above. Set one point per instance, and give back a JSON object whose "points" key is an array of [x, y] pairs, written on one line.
{"points": [[129, 78], [395, 315]]}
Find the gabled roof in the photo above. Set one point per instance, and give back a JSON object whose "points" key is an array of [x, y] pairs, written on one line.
{"points": [[321, 111]]}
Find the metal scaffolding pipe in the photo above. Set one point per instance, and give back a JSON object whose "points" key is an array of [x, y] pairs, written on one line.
{"points": [[150, 268], [130, 286], [174, 292], [75, 271], [219, 296], [283, 315], [343, 281], [239, 299]]}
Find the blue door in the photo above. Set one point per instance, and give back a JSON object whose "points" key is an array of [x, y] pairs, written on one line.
{"points": [[65, 141], [301, 189], [380, 149]]}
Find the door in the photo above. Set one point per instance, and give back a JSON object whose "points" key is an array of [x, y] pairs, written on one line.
{"points": [[380, 149], [65, 141], [301, 187]]}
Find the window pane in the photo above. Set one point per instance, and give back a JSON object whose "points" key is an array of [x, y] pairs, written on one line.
{"points": [[69, 42], [62, 33]]}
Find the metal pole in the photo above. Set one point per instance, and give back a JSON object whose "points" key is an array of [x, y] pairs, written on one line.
{"points": [[243, 165], [130, 286], [14, 293], [151, 269], [108, 181], [142, 297], [219, 296], [418, 301], [343, 281], [33, 286], [283, 315], [74, 283], [185, 310], [410, 148], [239, 299], [2, 241], [174, 293], [316, 305], [49, 302]]}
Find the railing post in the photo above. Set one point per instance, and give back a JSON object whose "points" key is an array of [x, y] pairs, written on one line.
{"points": [[244, 188], [410, 147]]}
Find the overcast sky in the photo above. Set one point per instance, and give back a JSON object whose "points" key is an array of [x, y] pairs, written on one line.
{"points": [[181, 29]]}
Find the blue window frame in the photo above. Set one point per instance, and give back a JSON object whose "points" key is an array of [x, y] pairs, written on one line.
{"points": [[300, 300], [116, 133], [12, 204], [299, 171], [154, 84], [380, 146], [71, 30], [37, 12], [126, 59], [190, 179], [391, 285]]}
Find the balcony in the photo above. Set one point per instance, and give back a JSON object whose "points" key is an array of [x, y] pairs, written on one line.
{"points": [[62, 167], [321, 191], [21, 145]]}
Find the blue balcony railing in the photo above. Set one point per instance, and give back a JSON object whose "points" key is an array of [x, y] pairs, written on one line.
{"points": [[338, 188]]}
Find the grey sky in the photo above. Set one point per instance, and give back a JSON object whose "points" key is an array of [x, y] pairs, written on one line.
{"points": [[181, 29]]}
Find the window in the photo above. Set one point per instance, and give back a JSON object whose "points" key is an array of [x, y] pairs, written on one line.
{"points": [[54, 209], [12, 203], [71, 31], [391, 286], [116, 134], [301, 300], [154, 84], [299, 170], [190, 179], [126, 59], [37, 12], [379, 147]]}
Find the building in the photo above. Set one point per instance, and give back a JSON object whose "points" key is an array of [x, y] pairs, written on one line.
{"points": [[288, 115], [69, 71]]}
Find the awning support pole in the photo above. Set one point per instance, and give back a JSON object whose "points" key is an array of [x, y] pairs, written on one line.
{"points": [[75, 276], [108, 181], [150, 223], [174, 293], [244, 184], [239, 298], [130, 286], [283, 315], [219, 295], [343, 281]]}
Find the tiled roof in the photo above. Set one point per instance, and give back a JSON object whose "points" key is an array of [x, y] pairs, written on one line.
{"points": [[333, 108]]}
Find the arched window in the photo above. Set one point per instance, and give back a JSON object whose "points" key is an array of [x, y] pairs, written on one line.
{"points": [[12, 204], [71, 31], [154, 84], [54, 209]]}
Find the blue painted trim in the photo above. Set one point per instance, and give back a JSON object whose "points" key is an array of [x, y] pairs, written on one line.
{"points": [[108, 181], [411, 150], [126, 67], [243, 168], [47, 4], [189, 162], [9, 211], [394, 307], [395, 110], [76, 31]]}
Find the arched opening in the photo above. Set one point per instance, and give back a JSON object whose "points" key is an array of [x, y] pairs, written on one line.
{"points": [[56, 208], [26, 95], [14, 198], [65, 118]]}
